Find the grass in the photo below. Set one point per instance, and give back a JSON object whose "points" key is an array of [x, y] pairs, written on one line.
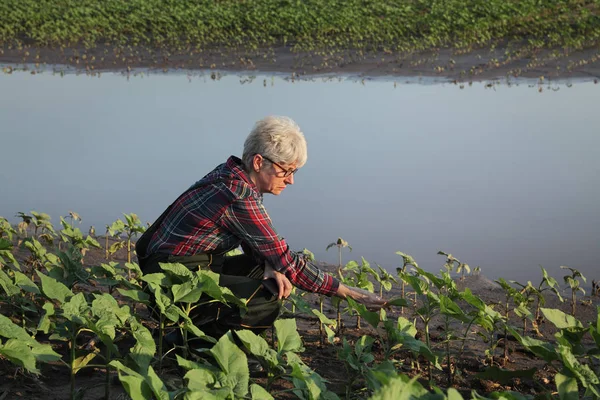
{"points": [[302, 24]]}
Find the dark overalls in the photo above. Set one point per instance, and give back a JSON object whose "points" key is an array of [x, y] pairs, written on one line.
{"points": [[240, 274]]}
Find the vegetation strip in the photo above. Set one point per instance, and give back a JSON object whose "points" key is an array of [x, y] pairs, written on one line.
{"points": [[303, 24]]}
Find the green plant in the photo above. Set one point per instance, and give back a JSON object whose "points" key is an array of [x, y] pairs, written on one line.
{"points": [[385, 280], [574, 284], [131, 227], [75, 238], [401, 271]]}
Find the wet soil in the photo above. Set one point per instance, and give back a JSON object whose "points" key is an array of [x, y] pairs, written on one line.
{"points": [[53, 382], [501, 61]]}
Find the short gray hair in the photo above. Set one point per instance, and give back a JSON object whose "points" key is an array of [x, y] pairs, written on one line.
{"points": [[278, 138]]}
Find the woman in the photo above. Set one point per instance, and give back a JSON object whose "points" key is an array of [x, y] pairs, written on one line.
{"points": [[225, 210]]}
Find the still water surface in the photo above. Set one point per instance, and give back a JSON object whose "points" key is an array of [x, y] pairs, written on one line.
{"points": [[504, 178]]}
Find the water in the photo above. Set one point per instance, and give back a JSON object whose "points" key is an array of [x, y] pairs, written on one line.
{"points": [[505, 178]]}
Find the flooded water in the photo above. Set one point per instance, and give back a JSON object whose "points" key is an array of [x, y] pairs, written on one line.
{"points": [[506, 178]]}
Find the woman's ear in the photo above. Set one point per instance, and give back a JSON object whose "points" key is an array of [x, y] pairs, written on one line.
{"points": [[257, 162]]}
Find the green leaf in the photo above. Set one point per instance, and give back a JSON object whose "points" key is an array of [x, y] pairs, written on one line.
{"points": [[323, 318], [145, 347], [371, 317], [560, 319], [178, 270], [135, 295], [258, 393], [45, 323], [186, 293], [401, 388], [10, 330], [200, 379], [20, 354], [156, 385], [25, 283], [288, 338], [234, 364], [53, 289], [76, 309], [7, 284], [44, 353], [566, 385]]}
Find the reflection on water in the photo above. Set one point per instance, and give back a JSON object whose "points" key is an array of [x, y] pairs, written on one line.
{"points": [[502, 177]]}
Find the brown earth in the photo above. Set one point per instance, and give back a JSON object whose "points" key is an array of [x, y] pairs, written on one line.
{"points": [[503, 61], [53, 383]]}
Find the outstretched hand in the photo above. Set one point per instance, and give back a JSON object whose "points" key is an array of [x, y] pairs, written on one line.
{"points": [[283, 283], [364, 297]]}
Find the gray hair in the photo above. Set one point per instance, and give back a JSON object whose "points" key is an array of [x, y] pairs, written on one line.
{"points": [[278, 138]]}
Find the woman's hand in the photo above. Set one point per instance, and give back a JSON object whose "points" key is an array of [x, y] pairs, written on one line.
{"points": [[283, 283], [368, 299]]}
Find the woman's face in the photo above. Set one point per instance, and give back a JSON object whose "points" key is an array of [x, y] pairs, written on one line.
{"points": [[270, 177]]}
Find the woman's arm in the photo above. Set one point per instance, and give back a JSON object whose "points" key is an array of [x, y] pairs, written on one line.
{"points": [[370, 300]]}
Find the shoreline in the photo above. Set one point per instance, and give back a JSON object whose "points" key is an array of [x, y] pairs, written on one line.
{"points": [[437, 66]]}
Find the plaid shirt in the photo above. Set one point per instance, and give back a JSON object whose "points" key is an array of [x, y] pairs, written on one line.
{"points": [[225, 210]]}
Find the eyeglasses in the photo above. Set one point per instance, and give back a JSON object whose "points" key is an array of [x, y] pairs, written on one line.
{"points": [[286, 172]]}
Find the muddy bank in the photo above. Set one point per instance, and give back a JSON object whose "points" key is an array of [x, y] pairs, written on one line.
{"points": [[460, 65]]}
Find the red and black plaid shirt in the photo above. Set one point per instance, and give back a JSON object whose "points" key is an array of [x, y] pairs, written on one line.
{"points": [[225, 210]]}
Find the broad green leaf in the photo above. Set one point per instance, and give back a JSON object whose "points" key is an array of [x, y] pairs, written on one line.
{"points": [[20, 354], [10, 330], [76, 309], [234, 364], [7, 284], [253, 343], [156, 385], [200, 379], [44, 352], [159, 279], [566, 386], [45, 323], [177, 270], [453, 394], [560, 319], [541, 349], [138, 296], [53, 289], [135, 386], [25, 283], [400, 388], [258, 393], [581, 371], [187, 292], [144, 349], [288, 338], [404, 325]]}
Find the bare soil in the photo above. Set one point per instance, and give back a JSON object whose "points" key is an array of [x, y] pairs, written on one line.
{"points": [[53, 382]]}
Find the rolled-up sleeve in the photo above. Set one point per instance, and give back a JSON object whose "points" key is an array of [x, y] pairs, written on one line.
{"points": [[247, 219]]}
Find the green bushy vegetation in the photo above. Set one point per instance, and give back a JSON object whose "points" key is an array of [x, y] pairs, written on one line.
{"points": [[303, 24], [58, 310]]}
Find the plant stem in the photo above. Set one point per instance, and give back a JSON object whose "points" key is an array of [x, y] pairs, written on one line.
{"points": [[161, 328], [107, 387], [321, 323], [72, 345]]}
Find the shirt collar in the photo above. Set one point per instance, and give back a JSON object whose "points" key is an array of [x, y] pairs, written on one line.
{"points": [[236, 166]]}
